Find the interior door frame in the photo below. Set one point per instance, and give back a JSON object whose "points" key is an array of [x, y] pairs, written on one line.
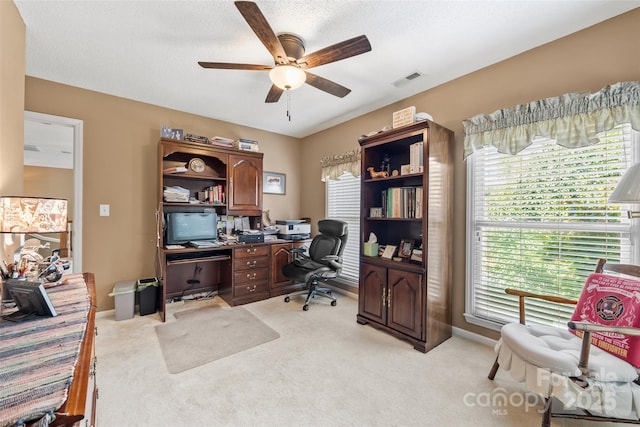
{"points": [[77, 125]]}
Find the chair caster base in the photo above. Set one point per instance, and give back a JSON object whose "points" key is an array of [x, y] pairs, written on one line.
{"points": [[333, 303], [305, 307], [287, 299]]}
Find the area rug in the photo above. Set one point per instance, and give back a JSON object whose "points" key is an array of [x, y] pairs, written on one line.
{"points": [[207, 334]]}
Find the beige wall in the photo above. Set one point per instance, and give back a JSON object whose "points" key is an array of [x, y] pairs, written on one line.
{"points": [[585, 61], [12, 69], [120, 169]]}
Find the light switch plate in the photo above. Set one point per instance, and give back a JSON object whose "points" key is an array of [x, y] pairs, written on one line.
{"points": [[104, 210]]}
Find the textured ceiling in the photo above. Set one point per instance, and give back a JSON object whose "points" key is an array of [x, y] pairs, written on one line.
{"points": [[148, 50]]}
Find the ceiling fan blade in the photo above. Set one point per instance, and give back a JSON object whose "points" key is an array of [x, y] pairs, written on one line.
{"points": [[327, 85], [261, 27], [274, 94], [231, 66], [336, 52]]}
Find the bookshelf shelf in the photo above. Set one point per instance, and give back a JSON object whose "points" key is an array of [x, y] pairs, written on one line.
{"points": [[195, 205], [193, 176], [393, 178], [371, 218]]}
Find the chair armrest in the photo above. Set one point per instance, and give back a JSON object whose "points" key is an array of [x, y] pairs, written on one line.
{"points": [[299, 253], [591, 327], [334, 261], [587, 328], [523, 294]]}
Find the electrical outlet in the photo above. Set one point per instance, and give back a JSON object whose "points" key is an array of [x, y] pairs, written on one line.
{"points": [[104, 210]]}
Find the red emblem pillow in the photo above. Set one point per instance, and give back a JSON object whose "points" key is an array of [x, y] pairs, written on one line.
{"points": [[611, 301]]}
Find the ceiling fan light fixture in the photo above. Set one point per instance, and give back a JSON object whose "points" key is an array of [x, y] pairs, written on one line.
{"points": [[287, 77]]}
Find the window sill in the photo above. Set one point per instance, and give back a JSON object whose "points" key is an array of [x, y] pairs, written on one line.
{"points": [[494, 326]]}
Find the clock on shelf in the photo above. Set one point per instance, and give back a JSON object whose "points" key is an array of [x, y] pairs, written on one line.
{"points": [[196, 165]]}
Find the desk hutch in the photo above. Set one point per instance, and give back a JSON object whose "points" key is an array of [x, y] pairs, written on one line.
{"points": [[240, 273], [408, 298]]}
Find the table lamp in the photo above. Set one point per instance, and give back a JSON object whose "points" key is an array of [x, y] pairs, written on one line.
{"points": [[21, 215], [628, 189]]}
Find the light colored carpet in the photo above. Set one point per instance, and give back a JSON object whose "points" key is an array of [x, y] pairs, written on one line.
{"points": [[210, 333], [324, 370]]}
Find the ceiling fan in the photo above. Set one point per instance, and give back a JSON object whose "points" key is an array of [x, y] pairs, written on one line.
{"points": [[289, 71]]}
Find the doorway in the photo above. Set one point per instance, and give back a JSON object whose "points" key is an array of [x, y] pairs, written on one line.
{"points": [[48, 140]]}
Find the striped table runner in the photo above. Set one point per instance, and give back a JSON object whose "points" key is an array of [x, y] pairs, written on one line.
{"points": [[38, 355]]}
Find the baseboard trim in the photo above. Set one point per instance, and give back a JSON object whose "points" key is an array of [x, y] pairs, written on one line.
{"points": [[463, 333], [342, 286], [105, 313]]}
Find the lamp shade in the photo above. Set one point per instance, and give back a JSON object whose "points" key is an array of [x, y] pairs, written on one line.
{"points": [[32, 215], [628, 188], [287, 76]]}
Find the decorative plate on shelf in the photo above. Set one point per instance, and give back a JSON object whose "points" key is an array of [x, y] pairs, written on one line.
{"points": [[196, 164]]}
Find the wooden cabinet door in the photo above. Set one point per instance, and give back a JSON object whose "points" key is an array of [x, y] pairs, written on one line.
{"points": [[373, 292], [280, 256], [405, 302], [245, 185]]}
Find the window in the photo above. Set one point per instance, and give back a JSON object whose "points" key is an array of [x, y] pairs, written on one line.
{"points": [[538, 221], [343, 202]]}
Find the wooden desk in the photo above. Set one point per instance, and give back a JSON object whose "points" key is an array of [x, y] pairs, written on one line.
{"points": [[240, 273], [31, 397]]}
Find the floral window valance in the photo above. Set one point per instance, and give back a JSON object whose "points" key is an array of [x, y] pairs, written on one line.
{"points": [[573, 120], [336, 165]]}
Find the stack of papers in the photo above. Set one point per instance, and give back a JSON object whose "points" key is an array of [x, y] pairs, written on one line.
{"points": [[176, 194], [222, 141], [204, 244], [247, 144]]}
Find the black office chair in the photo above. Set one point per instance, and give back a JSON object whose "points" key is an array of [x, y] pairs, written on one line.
{"points": [[323, 262]]}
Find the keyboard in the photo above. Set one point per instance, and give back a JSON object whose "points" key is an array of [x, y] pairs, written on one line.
{"points": [[204, 244]]}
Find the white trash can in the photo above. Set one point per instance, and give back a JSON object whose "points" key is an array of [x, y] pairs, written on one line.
{"points": [[124, 294]]}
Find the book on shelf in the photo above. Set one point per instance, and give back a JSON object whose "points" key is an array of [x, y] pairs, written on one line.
{"points": [[402, 202], [415, 157], [175, 169], [216, 194], [396, 202]]}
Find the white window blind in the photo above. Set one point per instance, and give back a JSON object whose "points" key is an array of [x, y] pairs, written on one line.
{"points": [[539, 221], [343, 203]]}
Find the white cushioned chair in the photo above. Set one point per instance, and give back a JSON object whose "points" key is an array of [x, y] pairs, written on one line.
{"points": [[576, 378]]}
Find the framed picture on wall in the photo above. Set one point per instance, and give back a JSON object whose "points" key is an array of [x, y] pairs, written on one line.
{"points": [[273, 183]]}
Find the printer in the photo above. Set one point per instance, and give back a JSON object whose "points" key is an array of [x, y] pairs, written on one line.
{"points": [[293, 229]]}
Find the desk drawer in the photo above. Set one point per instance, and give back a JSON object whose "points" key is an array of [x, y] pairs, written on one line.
{"points": [[250, 276], [251, 251], [249, 288], [250, 263]]}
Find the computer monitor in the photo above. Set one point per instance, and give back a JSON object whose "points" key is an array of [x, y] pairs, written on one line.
{"points": [[183, 227], [31, 299]]}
